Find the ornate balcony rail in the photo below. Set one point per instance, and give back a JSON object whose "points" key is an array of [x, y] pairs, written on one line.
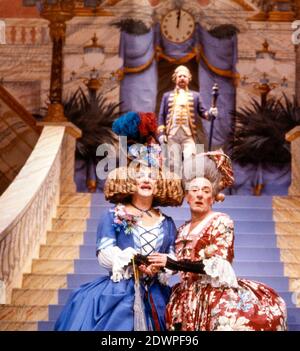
{"points": [[27, 206]]}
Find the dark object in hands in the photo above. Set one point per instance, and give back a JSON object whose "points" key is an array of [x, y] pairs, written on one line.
{"points": [[215, 94], [178, 18], [141, 259], [185, 266]]}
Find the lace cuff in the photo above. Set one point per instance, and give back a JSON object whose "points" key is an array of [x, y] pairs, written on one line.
{"points": [[221, 272], [116, 260]]}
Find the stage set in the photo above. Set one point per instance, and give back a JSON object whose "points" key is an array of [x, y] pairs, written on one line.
{"points": [[69, 69]]}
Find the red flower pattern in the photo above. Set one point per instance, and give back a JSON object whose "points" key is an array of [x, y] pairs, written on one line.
{"points": [[198, 305]]}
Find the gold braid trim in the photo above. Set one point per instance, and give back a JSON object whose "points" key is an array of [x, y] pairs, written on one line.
{"points": [[158, 54], [199, 54], [218, 71], [120, 73], [180, 61]]}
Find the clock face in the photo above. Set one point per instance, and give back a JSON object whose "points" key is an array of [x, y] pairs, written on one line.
{"points": [[178, 26]]}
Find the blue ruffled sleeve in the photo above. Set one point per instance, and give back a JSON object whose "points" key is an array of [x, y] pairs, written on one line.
{"points": [[106, 234]]}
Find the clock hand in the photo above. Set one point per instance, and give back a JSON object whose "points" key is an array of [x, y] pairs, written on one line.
{"points": [[178, 18]]}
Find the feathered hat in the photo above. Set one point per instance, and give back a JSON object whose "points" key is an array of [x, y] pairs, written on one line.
{"points": [[140, 130]]}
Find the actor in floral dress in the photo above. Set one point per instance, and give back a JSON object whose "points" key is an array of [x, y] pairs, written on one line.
{"points": [[209, 296]]}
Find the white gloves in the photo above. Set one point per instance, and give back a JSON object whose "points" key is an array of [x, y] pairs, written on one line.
{"points": [[213, 111], [119, 262], [116, 259]]}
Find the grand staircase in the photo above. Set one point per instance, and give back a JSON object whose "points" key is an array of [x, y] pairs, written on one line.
{"points": [[67, 259]]}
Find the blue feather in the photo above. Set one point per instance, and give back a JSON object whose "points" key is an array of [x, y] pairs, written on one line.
{"points": [[127, 125]]}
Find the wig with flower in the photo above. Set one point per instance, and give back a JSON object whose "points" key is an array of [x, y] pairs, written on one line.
{"points": [[214, 166], [143, 152]]}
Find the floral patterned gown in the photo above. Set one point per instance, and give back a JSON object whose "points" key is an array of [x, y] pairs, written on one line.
{"points": [[218, 300]]}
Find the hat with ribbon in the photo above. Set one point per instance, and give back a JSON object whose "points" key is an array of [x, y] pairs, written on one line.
{"points": [[140, 130], [224, 166], [215, 166], [142, 148]]}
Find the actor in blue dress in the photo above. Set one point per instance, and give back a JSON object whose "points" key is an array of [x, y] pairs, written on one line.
{"points": [[124, 300]]}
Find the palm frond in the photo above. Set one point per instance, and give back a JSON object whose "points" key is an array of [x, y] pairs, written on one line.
{"points": [[259, 133], [95, 118], [224, 31], [131, 26]]}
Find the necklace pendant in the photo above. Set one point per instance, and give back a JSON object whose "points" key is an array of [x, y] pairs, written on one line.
{"points": [[143, 211]]}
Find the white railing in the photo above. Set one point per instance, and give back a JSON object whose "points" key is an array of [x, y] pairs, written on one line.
{"points": [[27, 34], [27, 206]]}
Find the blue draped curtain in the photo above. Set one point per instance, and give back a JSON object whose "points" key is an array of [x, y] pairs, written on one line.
{"points": [[138, 90], [222, 54]]}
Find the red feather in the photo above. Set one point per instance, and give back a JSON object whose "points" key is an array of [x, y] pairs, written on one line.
{"points": [[148, 125]]}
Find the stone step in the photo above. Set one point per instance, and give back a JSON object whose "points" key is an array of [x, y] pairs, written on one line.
{"points": [[78, 199], [38, 297], [290, 256], [18, 326], [241, 267], [44, 281], [49, 326], [234, 201], [64, 238], [279, 283], [294, 284], [59, 252], [241, 227], [46, 326], [241, 240], [32, 313], [64, 294], [76, 225], [284, 202], [289, 228], [288, 241], [71, 225], [78, 212], [292, 312], [237, 201], [293, 327], [292, 270], [52, 266], [241, 253], [284, 215], [180, 213], [293, 315]]}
